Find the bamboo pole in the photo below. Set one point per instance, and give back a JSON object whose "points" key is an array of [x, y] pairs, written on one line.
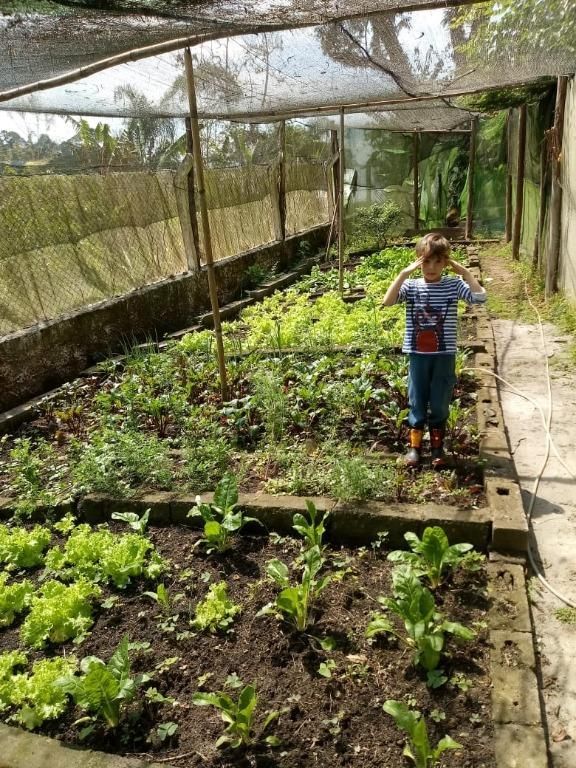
{"points": [[341, 207], [517, 231], [553, 255], [191, 195], [207, 241], [508, 225], [537, 252], [471, 174], [416, 148]]}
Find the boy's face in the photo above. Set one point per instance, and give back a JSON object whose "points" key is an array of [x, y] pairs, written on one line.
{"points": [[432, 268]]}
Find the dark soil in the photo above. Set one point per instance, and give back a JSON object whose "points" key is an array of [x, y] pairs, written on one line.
{"points": [[326, 722]]}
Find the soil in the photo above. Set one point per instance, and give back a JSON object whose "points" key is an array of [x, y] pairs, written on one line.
{"points": [[328, 722], [522, 352]]}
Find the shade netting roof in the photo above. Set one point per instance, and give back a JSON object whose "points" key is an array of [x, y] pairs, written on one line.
{"points": [[264, 60]]}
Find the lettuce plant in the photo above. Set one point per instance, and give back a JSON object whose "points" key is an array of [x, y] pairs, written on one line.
{"points": [[105, 689], [13, 599], [418, 748], [59, 613], [239, 715], [216, 611], [9, 660], [21, 548], [432, 555], [424, 626], [221, 518], [38, 695], [295, 600], [105, 556]]}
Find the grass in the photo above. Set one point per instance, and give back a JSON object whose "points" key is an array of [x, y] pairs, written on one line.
{"points": [[566, 615]]}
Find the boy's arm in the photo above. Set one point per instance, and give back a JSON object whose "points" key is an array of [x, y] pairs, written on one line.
{"points": [[394, 288], [467, 276]]}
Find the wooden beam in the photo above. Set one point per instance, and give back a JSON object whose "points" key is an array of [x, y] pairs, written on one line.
{"points": [[508, 224], [471, 180], [555, 215], [517, 229], [416, 159], [341, 207], [207, 240]]}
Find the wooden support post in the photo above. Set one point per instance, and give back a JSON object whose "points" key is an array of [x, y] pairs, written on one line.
{"points": [[416, 159], [517, 230], [282, 177], [537, 252], [341, 213], [553, 255], [508, 225], [471, 172], [191, 193], [335, 150], [207, 241]]}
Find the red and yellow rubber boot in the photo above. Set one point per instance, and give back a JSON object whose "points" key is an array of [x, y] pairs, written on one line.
{"points": [[437, 447], [412, 458]]}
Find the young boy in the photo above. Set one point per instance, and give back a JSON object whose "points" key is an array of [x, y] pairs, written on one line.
{"points": [[430, 338]]}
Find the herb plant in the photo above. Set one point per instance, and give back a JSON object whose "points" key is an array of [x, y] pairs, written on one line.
{"points": [[239, 715], [216, 611], [418, 748], [432, 555], [104, 690]]}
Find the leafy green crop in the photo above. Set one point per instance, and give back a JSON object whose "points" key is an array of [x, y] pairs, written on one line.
{"points": [[295, 600], [425, 627], [105, 556], [239, 715], [216, 611], [312, 531], [104, 690], [13, 599], [20, 548], [221, 519], [38, 695], [418, 748], [9, 660], [58, 613], [432, 555]]}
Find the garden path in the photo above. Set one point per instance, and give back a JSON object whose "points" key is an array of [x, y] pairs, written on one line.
{"points": [[521, 355]]}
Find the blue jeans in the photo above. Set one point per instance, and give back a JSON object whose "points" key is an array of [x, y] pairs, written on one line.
{"points": [[431, 380]]}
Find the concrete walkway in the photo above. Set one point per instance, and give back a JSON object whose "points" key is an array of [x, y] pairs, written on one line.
{"points": [[522, 362]]}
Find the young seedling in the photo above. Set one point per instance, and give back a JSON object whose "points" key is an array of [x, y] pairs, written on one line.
{"points": [[432, 555], [240, 717], [221, 518], [216, 611], [425, 627], [311, 529], [295, 600], [418, 748], [136, 523]]}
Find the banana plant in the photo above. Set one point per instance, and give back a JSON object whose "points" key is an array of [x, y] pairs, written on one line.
{"points": [[418, 748], [425, 628], [432, 555]]}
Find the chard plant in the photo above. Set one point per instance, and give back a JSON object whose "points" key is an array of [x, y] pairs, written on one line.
{"points": [[425, 627], [418, 747], [221, 518], [105, 690], [59, 613], [432, 556], [105, 556], [14, 599], [239, 716], [216, 611], [38, 696], [132, 519], [21, 548], [296, 599], [311, 528]]}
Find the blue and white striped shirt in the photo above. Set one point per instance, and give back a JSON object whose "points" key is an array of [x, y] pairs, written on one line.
{"points": [[432, 313]]}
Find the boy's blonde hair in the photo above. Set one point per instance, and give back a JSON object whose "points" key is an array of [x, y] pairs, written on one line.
{"points": [[433, 244]]}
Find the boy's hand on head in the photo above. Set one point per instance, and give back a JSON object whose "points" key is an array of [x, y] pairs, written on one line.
{"points": [[456, 267], [414, 266]]}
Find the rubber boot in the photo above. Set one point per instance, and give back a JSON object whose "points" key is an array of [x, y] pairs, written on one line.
{"points": [[437, 447], [412, 458]]}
